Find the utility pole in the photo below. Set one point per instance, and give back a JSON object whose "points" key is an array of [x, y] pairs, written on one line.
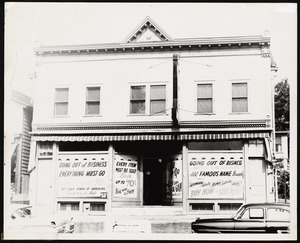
{"points": [[175, 91]]}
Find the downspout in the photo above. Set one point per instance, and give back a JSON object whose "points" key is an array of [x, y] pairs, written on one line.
{"points": [[175, 91]]}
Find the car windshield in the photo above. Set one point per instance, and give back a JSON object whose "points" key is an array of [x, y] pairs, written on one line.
{"points": [[238, 212]]}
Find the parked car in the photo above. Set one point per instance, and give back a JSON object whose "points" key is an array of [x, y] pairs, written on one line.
{"points": [[249, 218], [22, 220]]}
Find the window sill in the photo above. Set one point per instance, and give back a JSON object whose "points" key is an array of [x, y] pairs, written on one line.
{"points": [[96, 115], [239, 113], [147, 115], [206, 114], [62, 116]]}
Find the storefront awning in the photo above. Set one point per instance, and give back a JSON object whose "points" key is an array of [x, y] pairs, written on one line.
{"points": [[149, 137], [218, 136]]}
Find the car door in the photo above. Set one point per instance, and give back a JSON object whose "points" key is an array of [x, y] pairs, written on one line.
{"points": [[252, 220], [278, 220]]}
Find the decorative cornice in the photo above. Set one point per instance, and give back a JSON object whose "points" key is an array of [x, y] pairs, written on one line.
{"points": [[111, 127], [158, 46]]}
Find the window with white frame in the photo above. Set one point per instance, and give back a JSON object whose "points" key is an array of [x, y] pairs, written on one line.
{"points": [[148, 99], [61, 101], [240, 97], [157, 99], [138, 99], [92, 106], [204, 98]]}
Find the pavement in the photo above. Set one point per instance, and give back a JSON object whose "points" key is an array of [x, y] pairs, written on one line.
{"points": [[139, 220]]}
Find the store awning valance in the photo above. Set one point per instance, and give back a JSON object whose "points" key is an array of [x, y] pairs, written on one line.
{"points": [[149, 137], [218, 136]]}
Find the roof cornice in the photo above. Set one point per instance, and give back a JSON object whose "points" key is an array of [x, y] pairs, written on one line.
{"points": [[174, 45]]}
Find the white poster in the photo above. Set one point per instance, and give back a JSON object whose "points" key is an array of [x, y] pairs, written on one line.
{"points": [[125, 176], [177, 177], [82, 175], [216, 175]]}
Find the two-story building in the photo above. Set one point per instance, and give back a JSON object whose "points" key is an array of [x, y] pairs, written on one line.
{"points": [[153, 122], [17, 138]]}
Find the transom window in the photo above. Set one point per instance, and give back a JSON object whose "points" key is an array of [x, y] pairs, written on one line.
{"points": [[239, 97], [92, 101], [148, 99], [204, 98], [61, 101]]}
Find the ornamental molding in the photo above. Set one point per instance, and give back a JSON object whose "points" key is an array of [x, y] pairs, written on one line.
{"points": [[176, 45], [148, 127], [147, 24]]}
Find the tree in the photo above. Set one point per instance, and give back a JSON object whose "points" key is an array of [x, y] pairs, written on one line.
{"points": [[282, 106], [282, 123], [283, 181]]}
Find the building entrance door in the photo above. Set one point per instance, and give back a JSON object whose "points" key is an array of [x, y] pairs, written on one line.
{"points": [[153, 181]]}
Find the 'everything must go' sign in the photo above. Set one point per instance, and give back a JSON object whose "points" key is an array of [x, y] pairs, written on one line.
{"points": [[216, 175], [82, 175]]}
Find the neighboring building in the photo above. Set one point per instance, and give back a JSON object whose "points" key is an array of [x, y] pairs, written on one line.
{"points": [[18, 118], [282, 148], [184, 123]]}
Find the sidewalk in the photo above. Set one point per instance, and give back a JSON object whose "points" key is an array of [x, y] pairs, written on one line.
{"points": [[139, 221]]}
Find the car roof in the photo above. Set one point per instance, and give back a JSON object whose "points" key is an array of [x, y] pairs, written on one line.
{"points": [[267, 204]]}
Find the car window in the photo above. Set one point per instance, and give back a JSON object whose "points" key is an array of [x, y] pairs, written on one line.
{"points": [[21, 213], [253, 213], [26, 211], [17, 214], [278, 214]]}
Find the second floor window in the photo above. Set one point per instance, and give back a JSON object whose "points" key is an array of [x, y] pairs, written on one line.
{"points": [[157, 99], [92, 101], [239, 97], [61, 101], [204, 98], [148, 99], [138, 99]]}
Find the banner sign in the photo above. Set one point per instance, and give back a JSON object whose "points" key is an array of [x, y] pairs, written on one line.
{"points": [[125, 176], [216, 175], [177, 177], [82, 175]]}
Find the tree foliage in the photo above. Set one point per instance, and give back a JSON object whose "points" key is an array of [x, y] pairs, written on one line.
{"points": [[283, 181], [282, 106]]}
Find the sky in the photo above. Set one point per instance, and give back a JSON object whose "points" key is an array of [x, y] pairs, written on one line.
{"points": [[31, 24]]}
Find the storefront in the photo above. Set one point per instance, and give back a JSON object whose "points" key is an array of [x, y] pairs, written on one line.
{"points": [[207, 176]]}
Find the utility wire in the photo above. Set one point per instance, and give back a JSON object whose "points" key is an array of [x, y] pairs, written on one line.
{"points": [[197, 63], [187, 110], [160, 112], [160, 64]]}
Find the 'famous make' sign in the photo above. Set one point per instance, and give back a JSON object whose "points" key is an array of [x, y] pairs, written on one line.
{"points": [[125, 176], [82, 175], [216, 175]]}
